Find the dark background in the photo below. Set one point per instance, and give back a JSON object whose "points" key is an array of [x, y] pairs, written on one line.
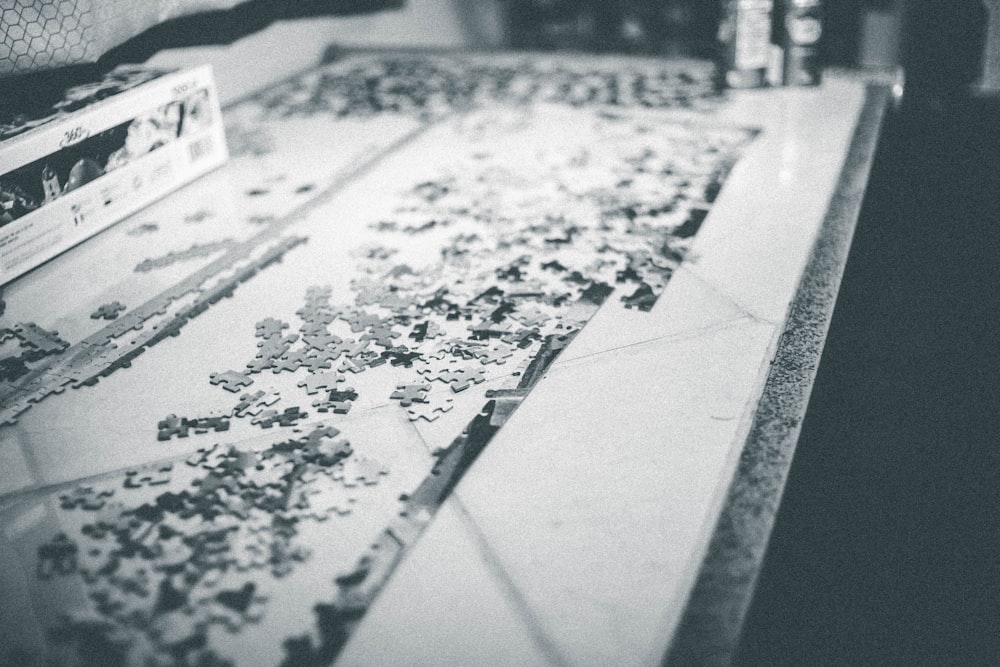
{"points": [[887, 545], [886, 549]]}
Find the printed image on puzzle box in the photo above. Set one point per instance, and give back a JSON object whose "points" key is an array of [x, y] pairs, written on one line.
{"points": [[47, 106], [38, 183]]}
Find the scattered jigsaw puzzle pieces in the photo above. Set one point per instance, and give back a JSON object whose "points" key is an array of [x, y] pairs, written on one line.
{"points": [[330, 500], [381, 335], [205, 456], [38, 339], [231, 380], [269, 327], [57, 556], [490, 329], [401, 356], [288, 417], [360, 321], [108, 311], [288, 363], [495, 354], [427, 329], [252, 404], [170, 426], [333, 450], [85, 497], [337, 401], [360, 470], [148, 476], [234, 608], [459, 377], [407, 394], [172, 553], [523, 338], [434, 408], [321, 340], [317, 382], [181, 426], [463, 378], [643, 298], [214, 421]]}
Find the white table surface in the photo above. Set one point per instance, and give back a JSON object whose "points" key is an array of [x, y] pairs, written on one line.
{"points": [[578, 534]]}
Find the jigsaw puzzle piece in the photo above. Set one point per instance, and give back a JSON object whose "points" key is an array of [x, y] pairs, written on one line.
{"points": [[57, 556], [360, 470], [317, 382], [148, 476], [436, 406], [108, 311], [85, 497], [231, 380], [170, 426], [407, 394], [288, 417]]}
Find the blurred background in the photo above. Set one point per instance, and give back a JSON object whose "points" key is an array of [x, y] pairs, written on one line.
{"points": [[947, 46]]}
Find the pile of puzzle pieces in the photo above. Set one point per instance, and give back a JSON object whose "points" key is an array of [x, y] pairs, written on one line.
{"points": [[181, 562]]}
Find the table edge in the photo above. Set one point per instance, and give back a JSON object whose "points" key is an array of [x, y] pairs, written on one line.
{"points": [[711, 624]]}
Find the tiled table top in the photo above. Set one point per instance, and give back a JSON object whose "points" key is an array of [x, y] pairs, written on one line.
{"points": [[578, 534]]}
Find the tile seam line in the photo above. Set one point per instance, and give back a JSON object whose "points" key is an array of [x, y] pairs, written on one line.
{"points": [[678, 337], [691, 269], [535, 628]]}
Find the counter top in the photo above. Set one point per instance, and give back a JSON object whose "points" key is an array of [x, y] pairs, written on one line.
{"points": [[569, 342]]}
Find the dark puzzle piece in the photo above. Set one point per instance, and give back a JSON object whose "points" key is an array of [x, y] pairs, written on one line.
{"points": [[231, 380], [337, 401], [216, 422], [288, 417], [12, 368], [145, 228], [170, 426], [252, 404], [108, 311], [38, 339], [490, 329], [407, 394], [200, 215], [642, 299], [148, 476], [204, 456], [401, 356], [85, 497], [57, 556], [424, 330]]}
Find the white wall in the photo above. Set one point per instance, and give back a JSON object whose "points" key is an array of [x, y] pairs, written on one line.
{"points": [[289, 46]]}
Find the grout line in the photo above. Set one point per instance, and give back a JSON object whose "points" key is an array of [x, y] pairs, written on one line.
{"points": [[492, 560], [420, 436], [673, 337], [692, 270]]}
